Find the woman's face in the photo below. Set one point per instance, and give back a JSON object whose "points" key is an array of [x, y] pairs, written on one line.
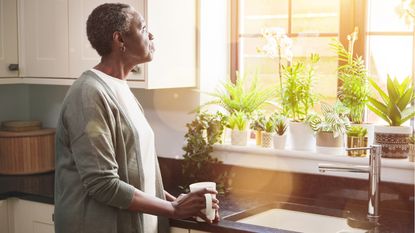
{"points": [[138, 41]]}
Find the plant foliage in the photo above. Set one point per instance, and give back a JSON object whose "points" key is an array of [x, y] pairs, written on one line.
{"points": [[198, 165], [298, 95], [333, 119], [354, 89], [356, 131], [394, 106], [238, 120]]}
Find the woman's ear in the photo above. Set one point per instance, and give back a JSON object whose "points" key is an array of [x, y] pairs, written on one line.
{"points": [[118, 39]]}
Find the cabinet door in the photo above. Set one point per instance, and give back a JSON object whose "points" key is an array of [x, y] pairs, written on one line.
{"points": [[43, 38], [32, 217], [4, 217], [81, 55], [178, 230], [173, 24], [8, 37]]}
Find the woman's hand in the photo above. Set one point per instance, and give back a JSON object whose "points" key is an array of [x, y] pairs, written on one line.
{"points": [[191, 204]]}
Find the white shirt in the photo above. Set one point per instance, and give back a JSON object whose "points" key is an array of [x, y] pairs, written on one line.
{"points": [[128, 102]]}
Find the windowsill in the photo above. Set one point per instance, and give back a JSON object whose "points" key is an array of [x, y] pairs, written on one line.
{"points": [[393, 170]]}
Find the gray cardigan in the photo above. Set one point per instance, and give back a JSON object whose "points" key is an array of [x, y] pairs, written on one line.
{"points": [[97, 168]]}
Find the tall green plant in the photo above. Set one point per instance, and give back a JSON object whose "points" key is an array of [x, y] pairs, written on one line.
{"points": [[198, 165], [395, 106], [354, 89], [242, 96], [298, 95]]}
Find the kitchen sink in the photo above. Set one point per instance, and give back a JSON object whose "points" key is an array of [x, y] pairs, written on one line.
{"points": [[296, 217]]}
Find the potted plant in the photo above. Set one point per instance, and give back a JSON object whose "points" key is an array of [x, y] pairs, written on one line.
{"points": [[354, 84], [198, 165], [238, 123], [268, 132], [357, 137], [298, 101], [241, 96], [258, 125], [330, 126], [280, 135], [395, 108], [412, 148]]}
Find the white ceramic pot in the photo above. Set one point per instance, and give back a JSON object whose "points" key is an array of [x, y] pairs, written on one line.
{"points": [[266, 139], [301, 136], [394, 140], [239, 138], [279, 141]]}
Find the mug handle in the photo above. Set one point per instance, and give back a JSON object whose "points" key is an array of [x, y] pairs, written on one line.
{"points": [[210, 212]]}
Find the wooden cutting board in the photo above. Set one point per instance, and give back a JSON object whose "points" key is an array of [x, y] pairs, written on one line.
{"points": [[28, 152]]}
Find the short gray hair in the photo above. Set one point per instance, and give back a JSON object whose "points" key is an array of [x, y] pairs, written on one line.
{"points": [[104, 21]]}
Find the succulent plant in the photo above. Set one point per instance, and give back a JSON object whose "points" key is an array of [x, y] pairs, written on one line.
{"points": [[238, 120], [356, 131]]}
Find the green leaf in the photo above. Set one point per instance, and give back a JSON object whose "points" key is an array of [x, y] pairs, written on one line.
{"points": [[378, 105], [380, 114], [379, 90], [395, 115], [405, 99], [392, 90]]}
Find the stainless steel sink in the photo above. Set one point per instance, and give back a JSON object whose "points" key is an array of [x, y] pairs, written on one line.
{"points": [[298, 218]]}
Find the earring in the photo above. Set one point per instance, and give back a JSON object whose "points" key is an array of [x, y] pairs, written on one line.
{"points": [[122, 49]]}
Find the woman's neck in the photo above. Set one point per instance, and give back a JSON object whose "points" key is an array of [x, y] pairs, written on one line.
{"points": [[113, 67]]}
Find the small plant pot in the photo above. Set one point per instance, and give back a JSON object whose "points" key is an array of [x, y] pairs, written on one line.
{"points": [[370, 131], [301, 137], [394, 141], [355, 142], [411, 153], [328, 144], [239, 138], [279, 141], [258, 137], [267, 139]]}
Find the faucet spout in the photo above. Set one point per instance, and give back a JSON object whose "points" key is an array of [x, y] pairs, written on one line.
{"points": [[374, 177]]}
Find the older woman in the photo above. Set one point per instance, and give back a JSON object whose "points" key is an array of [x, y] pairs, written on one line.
{"points": [[107, 175]]}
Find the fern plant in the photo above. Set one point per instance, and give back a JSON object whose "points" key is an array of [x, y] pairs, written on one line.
{"points": [[354, 89], [395, 106], [333, 119], [298, 96], [241, 96]]}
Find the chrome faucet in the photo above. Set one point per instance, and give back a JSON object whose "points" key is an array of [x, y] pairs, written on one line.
{"points": [[374, 177]]}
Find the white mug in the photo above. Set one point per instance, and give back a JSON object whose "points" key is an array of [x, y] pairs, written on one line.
{"points": [[208, 211]]}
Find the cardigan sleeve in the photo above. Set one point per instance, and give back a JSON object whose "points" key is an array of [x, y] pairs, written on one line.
{"points": [[94, 153]]}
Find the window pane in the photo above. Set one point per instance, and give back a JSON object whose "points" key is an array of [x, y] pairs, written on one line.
{"points": [[383, 17], [258, 14], [321, 16]]}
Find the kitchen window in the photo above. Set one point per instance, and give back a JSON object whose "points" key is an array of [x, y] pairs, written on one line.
{"points": [[385, 41]]}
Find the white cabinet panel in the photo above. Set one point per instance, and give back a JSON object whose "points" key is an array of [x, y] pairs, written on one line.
{"points": [[4, 217], [8, 37], [32, 217], [43, 38], [178, 230], [196, 231]]}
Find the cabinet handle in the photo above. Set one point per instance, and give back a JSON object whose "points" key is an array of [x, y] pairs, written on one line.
{"points": [[13, 67], [136, 69]]}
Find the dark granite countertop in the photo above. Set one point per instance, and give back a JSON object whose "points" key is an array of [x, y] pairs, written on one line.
{"points": [[39, 188]]}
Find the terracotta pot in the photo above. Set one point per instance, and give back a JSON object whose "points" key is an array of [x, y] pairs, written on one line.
{"points": [[394, 141], [355, 142], [267, 139]]}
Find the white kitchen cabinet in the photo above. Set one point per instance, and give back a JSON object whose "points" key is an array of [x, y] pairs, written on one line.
{"points": [[4, 217], [179, 230], [43, 38], [8, 38], [32, 217], [54, 48], [196, 231]]}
